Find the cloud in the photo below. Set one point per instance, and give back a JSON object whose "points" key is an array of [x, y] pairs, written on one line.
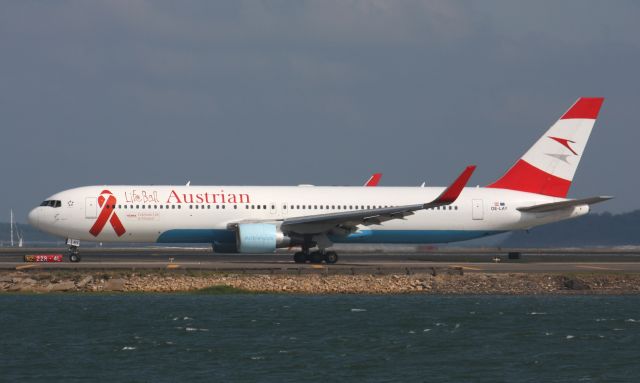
{"points": [[287, 92]]}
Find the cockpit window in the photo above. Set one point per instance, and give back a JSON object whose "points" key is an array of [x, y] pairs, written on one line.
{"points": [[52, 203]]}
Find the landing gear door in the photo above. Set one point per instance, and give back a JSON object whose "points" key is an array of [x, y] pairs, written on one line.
{"points": [[477, 210], [90, 207]]}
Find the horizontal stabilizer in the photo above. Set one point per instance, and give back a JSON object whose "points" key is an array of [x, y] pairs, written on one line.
{"points": [[553, 206]]}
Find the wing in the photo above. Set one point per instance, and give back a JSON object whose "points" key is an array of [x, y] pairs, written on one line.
{"points": [[346, 222], [553, 206]]}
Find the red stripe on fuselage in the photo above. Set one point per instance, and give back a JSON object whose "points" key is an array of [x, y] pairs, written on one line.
{"points": [[527, 178], [585, 107]]}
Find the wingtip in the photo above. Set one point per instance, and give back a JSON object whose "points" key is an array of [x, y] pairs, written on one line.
{"points": [[373, 180], [453, 191]]}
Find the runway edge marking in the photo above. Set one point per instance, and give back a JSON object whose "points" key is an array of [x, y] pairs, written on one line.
{"points": [[597, 267], [467, 267], [20, 267]]}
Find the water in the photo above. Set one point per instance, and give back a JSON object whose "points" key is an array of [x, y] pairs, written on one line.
{"points": [[285, 338]]}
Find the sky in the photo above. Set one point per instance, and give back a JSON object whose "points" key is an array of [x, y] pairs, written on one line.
{"points": [[321, 92]]}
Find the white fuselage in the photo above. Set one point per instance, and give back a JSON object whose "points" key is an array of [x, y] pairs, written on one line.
{"points": [[202, 214]]}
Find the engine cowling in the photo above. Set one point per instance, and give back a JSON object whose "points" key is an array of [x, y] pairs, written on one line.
{"points": [[259, 238]]}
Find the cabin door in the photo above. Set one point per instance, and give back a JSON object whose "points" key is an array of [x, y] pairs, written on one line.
{"points": [[90, 207], [477, 211]]}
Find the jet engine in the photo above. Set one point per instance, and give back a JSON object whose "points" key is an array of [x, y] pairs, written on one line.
{"points": [[259, 238]]}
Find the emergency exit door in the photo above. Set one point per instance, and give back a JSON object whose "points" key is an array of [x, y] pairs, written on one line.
{"points": [[90, 207], [477, 211]]}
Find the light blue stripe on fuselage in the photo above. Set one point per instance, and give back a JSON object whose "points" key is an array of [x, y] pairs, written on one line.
{"points": [[197, 236], [362, 236]]}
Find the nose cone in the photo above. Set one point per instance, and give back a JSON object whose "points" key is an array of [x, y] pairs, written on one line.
{"points": [[34, 217]]}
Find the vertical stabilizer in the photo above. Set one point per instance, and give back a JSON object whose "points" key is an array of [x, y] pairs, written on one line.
{"points": [[549, 165]]}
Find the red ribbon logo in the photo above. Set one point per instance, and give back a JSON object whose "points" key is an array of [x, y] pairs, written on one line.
{"points": [[107, 202]]}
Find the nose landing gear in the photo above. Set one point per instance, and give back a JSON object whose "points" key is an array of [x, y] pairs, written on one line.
{"points": [[74, 250], [74, 254]]}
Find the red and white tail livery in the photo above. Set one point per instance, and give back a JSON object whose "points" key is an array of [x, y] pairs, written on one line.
{"points": [[549, 166], [260, 219]]}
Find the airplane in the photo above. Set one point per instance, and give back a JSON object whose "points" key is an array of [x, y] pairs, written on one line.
{"points": [[260, 219]]}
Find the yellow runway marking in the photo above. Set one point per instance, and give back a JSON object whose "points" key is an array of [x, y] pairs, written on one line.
{"points": [[466, 267], [317, 267], [25, 267], [597, 267], [172, 266]]}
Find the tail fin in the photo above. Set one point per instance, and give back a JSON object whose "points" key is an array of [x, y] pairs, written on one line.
{"points": [[549, 165]]}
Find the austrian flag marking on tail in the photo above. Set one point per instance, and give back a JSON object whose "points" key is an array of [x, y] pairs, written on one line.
{"points": [[545, 167]]}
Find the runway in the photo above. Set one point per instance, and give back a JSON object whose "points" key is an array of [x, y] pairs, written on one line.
{"points": [[433, 262]]}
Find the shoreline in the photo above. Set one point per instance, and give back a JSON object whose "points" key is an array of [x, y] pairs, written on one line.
{"points": [[154, 281]]}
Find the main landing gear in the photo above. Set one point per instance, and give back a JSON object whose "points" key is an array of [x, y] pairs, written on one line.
{"points": [[74, 250], [304, 256]]}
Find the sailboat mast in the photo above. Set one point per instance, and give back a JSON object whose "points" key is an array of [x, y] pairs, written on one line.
{"points": [[11, 225]]}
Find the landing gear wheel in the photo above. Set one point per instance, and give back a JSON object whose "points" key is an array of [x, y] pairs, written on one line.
{"points": [[331, 257], [316, 257], [74, 254], [299, 257]]}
